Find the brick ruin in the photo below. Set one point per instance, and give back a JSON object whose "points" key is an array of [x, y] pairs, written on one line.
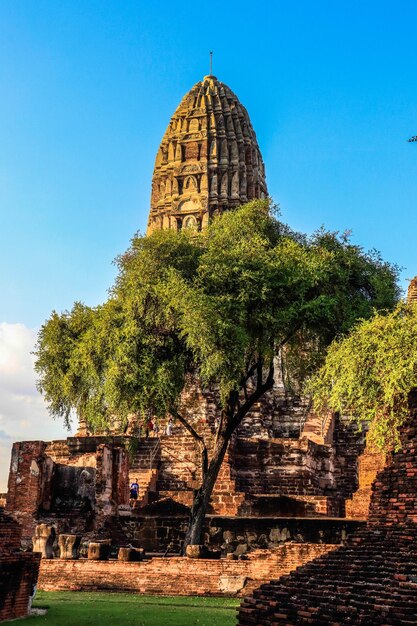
{"points": [[280, 500], [18, 571], [292, 485], [283, 464], [75, 484], [370, 580]]}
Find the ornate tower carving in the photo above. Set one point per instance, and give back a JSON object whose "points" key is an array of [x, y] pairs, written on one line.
{"points": [[208, 160], [412, 291]]}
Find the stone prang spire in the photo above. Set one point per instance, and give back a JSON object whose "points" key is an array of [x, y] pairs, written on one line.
{"points": [[412, 291], [208, 160]]}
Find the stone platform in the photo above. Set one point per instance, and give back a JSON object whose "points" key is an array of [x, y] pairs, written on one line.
{"points": [[226, 533]]}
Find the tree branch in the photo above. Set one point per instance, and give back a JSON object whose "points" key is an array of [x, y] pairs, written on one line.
{"points": [[261, 388], [289, 335], [249, 373], [259, 372], [199, 439]]}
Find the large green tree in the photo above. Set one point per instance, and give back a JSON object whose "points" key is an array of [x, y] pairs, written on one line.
{"points": [[218, 305], [369, 374]]}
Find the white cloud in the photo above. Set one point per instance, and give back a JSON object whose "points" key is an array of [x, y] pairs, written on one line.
{"points": [[23, 413]]}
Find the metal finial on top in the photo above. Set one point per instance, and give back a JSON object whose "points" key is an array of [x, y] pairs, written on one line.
{"points": [[211, 64]]}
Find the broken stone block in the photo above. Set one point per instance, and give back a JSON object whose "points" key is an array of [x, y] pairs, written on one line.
{"points": [[214, 531], [68, 546], [99, 550], [242, 548], [195, 552], [130, 554], [124, 510], [43, 540], [201, 552], [228, 536], [278, 535], [231, 585]]}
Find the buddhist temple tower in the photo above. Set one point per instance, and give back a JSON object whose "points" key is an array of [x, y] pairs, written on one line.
{"points": [[208, 160], [412, 291]]}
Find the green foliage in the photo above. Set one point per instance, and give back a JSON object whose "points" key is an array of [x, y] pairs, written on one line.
{"points": [[212, 304], [132, 448], [368, 375]]}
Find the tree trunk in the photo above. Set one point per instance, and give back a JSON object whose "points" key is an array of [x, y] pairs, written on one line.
{"points": [[232, 416], [203, 494]]}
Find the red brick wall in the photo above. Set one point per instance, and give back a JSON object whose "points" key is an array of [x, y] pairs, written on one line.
{"points": [[26, 485], [282, 466], [18, 574], [394, 497], [178, 575], [18, 571]]}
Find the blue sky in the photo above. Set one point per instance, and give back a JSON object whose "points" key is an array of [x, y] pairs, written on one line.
{"points": [[87, 89]]}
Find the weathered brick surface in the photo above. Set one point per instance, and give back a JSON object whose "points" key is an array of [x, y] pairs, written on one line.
{"points": [[18, 570], [372, 579], [177, 575], [75, 484], [29, 479], [370, 463], [348, 444], [282, 466]]}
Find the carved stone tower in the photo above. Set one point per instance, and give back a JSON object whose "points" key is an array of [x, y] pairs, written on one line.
{"points": [[412, 291], [208, 160]]}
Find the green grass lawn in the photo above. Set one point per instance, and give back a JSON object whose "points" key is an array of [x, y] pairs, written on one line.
{"points": [[124, 609]]}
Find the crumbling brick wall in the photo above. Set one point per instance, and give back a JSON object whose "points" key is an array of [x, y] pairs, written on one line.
{"points": [[370, 580], [73, 484], [177, 575], [18, 571], [370, 463], [29, 483]]}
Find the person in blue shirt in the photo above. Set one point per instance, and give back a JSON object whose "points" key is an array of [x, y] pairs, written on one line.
{"points": [[134, 492]]}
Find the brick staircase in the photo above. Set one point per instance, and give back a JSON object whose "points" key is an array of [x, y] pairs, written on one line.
{"points": [[318, 428], [144, 469], [179, 463], [260, 476], [372, 581]]}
